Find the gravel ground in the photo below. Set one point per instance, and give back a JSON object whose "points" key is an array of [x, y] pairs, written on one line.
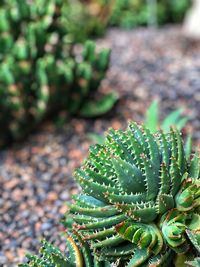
{"points": [[36, 175]]}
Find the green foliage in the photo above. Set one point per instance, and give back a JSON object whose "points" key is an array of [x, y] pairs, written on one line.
{"points": [[152, 122], [140, 201], [94, 13], [51, 256], [194, 263], [152, 117], [78, 255], [188, 146], [131, 13], [96, 138], [175, 118], [98, 107], [39, 74], [194, 237]]}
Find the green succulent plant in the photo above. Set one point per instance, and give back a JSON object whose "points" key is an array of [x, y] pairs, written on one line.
{"points": [[131, 13], [140, 203], [94, 13], [39, 73]]}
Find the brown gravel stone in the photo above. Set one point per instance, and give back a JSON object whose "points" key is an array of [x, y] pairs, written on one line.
{"points": [[9, 255], [63, 209], [17, 194], [75, 154], [11, 184], [52, 196], [21, 252]]}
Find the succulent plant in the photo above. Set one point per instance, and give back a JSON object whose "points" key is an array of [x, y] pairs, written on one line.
{"points": [[39, 72], [131, 13], [94, 13], [140, 201]]}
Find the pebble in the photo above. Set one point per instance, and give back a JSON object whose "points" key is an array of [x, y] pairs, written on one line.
{"points": [[52, 196]]}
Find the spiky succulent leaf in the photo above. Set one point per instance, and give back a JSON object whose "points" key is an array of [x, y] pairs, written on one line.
{"points": [[78, 255], [98, 107]]}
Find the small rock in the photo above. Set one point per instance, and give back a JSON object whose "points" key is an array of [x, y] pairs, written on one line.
{"points": [[52, 196]]}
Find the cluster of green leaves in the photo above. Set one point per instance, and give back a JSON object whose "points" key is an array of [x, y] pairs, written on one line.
{"points": [[78, 255], [131, 13], [87, 18], [175, 118], [153, 123], [140, 204], [100, 14], [39, 72]]}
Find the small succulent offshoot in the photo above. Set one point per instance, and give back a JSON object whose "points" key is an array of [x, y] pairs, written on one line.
{"points": [[139, 206]]}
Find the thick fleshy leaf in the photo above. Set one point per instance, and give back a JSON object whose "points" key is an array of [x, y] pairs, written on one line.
{"points": [[99, 107], [129, 176]]}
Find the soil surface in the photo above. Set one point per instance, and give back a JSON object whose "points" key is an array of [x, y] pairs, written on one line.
{"points": [[36, 176]]}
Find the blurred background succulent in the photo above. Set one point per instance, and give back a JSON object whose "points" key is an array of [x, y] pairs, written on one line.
{"points": [[131, 13], [140, 202], [94, 13], [39, 73]]}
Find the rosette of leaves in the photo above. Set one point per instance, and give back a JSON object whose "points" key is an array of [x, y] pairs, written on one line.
{"points": [[39, 73], [140, 202], [140, 199]]}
